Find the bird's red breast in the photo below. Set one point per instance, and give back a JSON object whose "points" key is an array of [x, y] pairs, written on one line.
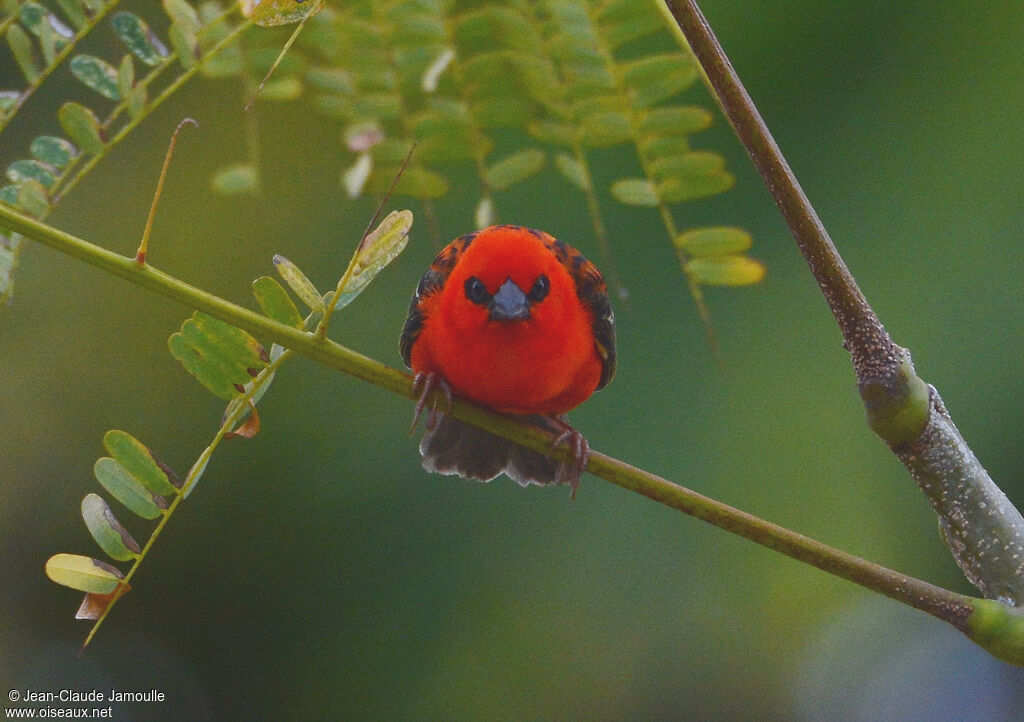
{"points": [[514, 319]]}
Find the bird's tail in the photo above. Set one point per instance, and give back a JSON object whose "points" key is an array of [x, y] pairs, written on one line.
{"points": [[452, 447]]}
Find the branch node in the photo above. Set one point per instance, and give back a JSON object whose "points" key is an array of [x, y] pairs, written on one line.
{"points": [[897, 403]]}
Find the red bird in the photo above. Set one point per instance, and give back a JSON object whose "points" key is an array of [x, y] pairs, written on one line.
{"points": [[520, 322]]}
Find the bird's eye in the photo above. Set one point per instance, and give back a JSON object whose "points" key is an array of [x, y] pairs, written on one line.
{"points": [[476, 291], [540, 289]]}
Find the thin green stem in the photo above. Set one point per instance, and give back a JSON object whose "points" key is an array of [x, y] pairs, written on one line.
{"points": [[140, 255], [190, 480], [951, 607]]}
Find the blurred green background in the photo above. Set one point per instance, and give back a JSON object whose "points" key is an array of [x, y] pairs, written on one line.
{"points": [[319, 573]]}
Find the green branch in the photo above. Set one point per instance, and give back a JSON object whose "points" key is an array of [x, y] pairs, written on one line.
{"points": [[996, 626], [983, 530]]}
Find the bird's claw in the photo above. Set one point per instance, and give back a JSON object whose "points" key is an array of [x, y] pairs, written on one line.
{"points": [[570, 473], [429, 382]]}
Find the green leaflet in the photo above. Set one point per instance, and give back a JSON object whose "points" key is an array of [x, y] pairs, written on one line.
{"points": [[138, 38], [553, 133], [74, 12], [275, 302], [605, 128], [573, 171], [297, 281], [623, 21], [52, 34], [126, 76], [24, 56], [55, 151], [97, 74], [82, 127], [658, 77], [127, 489], [112, 538], [677, 189], [21, 170], [83, 573], [674, 121], [692, 164], [280, 12], [716, 241], [375, 251], [185, 43], [220, 356], [725, 270], [282, 89], [515, 168], [182, 13], [32, 197], [236, 179], [635, 192], [139, 461]]}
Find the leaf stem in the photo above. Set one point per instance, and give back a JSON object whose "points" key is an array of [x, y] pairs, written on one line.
{"points": [[140, 254]]}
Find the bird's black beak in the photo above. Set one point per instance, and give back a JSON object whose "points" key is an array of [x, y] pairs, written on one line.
{"points": [[509, 303]]}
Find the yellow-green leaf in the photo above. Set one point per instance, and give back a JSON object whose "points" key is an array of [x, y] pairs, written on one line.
{"points": [[725, 270], [286, 88], [126, 76], [275, 301], [299, 283], [635, 192], [658, 77], [185, 44], [679, 120], [83, 573], [33, 198], [714, 241], [24, 55], [515, 168], [182, 13], [279, 12], [74, 12], [376, 250], [236, 179], [679, 189], [573, 171], [82, 127]]}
